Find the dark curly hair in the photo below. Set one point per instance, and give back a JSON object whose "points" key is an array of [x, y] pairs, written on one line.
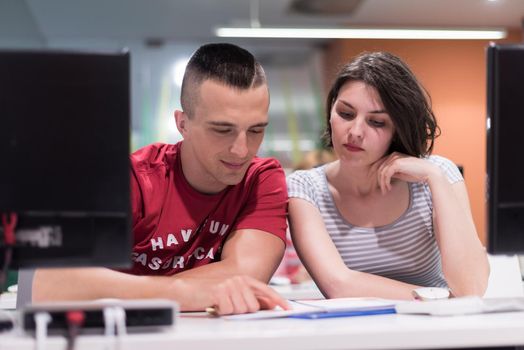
{"points": [[405, 100]]}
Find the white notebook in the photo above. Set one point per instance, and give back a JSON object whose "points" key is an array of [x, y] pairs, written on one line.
{"points": [[461, 306]]}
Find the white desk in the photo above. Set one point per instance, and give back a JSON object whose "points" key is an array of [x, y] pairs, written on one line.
{"points": [[7, 301], [198, 331]]}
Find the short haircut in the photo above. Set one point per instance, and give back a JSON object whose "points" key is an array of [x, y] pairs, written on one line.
{"points": [[404, 99], [223, 63]]}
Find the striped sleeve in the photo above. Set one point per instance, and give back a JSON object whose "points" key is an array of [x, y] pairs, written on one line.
{"points": [[448, 167], [300, 184]]}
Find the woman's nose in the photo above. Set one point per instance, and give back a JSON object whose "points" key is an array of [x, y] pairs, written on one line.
{"points": [[356, 128]]}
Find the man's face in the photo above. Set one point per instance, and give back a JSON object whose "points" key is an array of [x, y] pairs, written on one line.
{"points": [[223, 135]]}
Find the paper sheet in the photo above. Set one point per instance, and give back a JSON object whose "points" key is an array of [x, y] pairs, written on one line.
{"points": [[300, 307]]}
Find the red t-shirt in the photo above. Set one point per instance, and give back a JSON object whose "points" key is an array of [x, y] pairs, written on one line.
{"points": [[177, 228]]}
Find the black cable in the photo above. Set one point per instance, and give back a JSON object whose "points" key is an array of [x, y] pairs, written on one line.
{"points": [[9, 224], [8, 253], [75, 320]]}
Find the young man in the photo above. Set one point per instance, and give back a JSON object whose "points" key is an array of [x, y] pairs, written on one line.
{"points": [[209, 218]]}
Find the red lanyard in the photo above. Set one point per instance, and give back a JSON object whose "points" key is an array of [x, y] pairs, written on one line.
{"points": [[9, 223]]}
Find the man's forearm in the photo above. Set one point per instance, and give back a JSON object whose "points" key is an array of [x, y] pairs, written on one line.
{"points": [[193, 289], [253, 254], [94, 283]]}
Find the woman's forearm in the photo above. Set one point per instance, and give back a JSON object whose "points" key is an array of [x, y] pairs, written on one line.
{"points": [[464, 259]]}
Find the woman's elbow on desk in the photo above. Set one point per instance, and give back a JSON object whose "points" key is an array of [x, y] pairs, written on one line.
{"points": [[475, 284], [470, 290]]}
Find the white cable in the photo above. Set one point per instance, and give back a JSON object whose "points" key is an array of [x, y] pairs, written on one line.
{"points": [[120, 319], [115, 326], [109, 326], [42, 319]]}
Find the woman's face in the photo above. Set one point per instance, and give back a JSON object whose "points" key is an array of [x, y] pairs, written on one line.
{"points": [[361, 129]]}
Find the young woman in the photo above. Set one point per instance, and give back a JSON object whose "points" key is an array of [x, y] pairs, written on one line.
{"points": [[386, 217]]}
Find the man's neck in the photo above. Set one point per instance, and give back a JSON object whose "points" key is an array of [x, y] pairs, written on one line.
{"points": [[195, 175]]}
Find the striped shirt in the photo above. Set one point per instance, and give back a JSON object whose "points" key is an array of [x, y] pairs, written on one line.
{"points": [[404, 250]]}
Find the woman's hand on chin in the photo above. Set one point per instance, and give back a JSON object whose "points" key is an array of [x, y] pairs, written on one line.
{"points": [[405, 168]]}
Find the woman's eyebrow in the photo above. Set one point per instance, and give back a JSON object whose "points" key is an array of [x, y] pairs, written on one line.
{"points": [[378, 111], [346, 103]]}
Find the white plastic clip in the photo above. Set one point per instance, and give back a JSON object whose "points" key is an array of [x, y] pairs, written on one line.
{"points": [[42, 319], [120, 320], [115, 325]]}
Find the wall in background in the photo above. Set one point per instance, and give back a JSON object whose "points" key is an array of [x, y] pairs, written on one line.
{"points": [[454, 73]]}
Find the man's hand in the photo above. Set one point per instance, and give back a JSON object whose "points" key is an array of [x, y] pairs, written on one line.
{"points": [[243, 294]]}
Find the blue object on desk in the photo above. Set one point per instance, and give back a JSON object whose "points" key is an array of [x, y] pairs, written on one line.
{"points": [[330, 314]]}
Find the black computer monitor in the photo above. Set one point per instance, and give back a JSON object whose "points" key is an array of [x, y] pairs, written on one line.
{"points": [[64, 166], [505, 140]]}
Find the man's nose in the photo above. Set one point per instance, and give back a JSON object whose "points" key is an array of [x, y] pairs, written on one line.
{"points": [[239, 147]]}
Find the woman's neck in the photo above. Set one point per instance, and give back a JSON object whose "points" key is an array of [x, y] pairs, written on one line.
{"points": [[353, 180]]}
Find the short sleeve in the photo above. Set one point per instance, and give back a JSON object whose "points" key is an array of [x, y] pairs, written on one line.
{"points": [[136, 199], [448, 167], [300, 184], [266, 208]]}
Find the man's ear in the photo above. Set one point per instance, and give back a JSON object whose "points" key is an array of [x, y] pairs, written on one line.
{"points": [[181, 122]]}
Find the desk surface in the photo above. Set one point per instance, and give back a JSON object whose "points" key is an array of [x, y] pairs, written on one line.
{"points": [[198, 331]]}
